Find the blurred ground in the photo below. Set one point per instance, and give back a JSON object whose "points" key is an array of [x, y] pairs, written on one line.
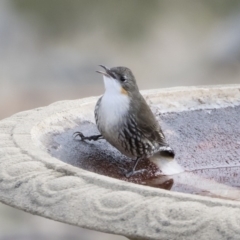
{"points": [[49, 51], [18, 225]]}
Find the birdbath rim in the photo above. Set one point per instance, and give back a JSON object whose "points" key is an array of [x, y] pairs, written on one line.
{"points": [[34, 181]]}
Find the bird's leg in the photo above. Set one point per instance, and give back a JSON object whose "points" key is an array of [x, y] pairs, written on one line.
{"points": [[135, 164], [132, 172], [90, 138]]}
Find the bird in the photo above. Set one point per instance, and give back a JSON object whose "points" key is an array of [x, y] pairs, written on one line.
{"points": [[126, 121]]}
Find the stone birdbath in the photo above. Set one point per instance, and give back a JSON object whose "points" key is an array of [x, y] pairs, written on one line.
{"points": [[45, 171]]}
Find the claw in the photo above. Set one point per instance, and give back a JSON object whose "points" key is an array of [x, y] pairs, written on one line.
{"points": [[128, 174], [79, 134], [90, 138]]}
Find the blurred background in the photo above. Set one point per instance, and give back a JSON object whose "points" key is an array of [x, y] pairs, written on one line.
{"points": [[49, 51]]}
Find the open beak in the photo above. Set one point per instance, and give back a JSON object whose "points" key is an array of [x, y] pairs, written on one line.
{"points": [[104, 73]]}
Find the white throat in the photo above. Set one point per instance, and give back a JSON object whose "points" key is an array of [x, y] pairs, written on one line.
{"points": [[114, 104], [111, 85]]}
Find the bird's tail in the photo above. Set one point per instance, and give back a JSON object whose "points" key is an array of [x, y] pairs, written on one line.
{"points": [[166, 163]]}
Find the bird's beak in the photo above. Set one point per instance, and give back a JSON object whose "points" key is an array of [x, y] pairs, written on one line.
{"points": [[105, 68], [104, 73]]}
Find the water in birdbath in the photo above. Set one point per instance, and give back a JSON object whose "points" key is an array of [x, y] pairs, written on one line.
{"points": [[206, 142]]}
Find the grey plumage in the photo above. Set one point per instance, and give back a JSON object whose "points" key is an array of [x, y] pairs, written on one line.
{"points": [[136, 132]]}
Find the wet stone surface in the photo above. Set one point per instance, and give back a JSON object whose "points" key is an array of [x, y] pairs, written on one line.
{"points": [[206, 142]]}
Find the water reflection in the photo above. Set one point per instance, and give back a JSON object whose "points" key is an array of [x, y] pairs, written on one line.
{"points": [[189, 182], [163, 182]]}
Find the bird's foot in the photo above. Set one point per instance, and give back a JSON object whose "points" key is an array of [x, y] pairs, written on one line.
{"points": [[130, 173], [79, 134], [90, 138]]}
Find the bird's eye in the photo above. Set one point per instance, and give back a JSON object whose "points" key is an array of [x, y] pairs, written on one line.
{"points": [[123, 78]]}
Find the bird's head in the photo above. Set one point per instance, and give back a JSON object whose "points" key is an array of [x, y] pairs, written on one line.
{"points": [[119, 80]]}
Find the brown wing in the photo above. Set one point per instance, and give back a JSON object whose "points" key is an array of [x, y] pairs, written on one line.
{"points": [[147, 123]]}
